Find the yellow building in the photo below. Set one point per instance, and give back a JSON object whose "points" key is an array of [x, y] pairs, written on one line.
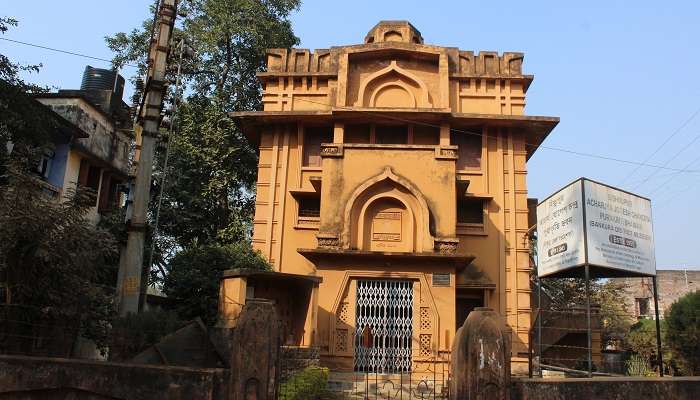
{"points": [[392, 196]]}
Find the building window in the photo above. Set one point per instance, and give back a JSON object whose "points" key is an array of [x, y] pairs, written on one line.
{"points": [[356, 133], [45, 162], [469, 149], [423, 134], [470, 211], [313, 137], [643, 307], [89, 177], [391, 134], [309, 208]]}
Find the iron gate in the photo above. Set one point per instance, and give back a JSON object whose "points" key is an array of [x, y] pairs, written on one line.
{"points": [[384, 326]]}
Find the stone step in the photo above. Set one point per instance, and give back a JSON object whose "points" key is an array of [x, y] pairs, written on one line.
{"points": [[384, 386]]}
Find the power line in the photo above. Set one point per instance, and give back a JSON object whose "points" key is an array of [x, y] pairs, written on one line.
{"points": [[674, 133], [638, 164], [684, 148], [63, 51], [578, 153], [674, 176], [674, 196]]}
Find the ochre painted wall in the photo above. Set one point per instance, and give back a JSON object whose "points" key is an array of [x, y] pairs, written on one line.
{"points": [[415, 85]]}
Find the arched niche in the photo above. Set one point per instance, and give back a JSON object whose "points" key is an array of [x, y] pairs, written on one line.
{"points": [[395, 94], [387, 213], [393, 36], [393, 87], [386, 223]]}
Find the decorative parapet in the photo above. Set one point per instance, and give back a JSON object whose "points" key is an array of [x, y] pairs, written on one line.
{"points": [[332, 150], [446, 245], [300, 61], [328, 241], [489, 63], [446, 153]]}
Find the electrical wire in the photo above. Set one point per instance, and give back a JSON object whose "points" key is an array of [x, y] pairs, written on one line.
{"points": [[674, 133], [579, 153], [674, 176], [684, 148], [63, 51]]}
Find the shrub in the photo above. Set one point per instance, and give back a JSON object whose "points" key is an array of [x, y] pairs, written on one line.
{"points": [[309, 384], [683, 328], [194, 274], [638, 366]]}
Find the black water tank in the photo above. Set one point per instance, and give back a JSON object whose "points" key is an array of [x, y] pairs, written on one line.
{"points": [[102, 79]]}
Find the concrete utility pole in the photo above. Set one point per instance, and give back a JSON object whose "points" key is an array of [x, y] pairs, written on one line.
{"points": [[131, 262]]}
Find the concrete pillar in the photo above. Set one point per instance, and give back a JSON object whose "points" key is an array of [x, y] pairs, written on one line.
{"points": [[311, 324], [444, 134], [480, 366], [338, 133], [255, 353], [232, 294]]}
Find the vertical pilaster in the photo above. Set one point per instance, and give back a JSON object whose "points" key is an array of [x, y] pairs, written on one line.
{"points": [[500, 194], [282, 197], [274, 166], [444, 134], [311, 323], [338, 132]]}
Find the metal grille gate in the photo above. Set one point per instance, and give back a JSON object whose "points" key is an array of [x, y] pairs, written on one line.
{"points": [[384, 326]]}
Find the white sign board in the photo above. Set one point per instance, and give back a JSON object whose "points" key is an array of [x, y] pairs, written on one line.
{"points": [[560, 233], [591, 223]]}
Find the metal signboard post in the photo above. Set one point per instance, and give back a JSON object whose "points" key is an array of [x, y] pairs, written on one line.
{"points": [[595, 230]]}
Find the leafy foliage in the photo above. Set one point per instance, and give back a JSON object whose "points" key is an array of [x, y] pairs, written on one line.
{"points": [[54, 260], [22, 120], [194, 274], [207, 207], [209, 197], [311, 383], [683, 331], [568, 293], [642, 340], [638, 366], [134, 333]]}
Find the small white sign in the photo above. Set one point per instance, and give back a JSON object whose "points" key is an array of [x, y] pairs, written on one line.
{"points": [[591, 223], [560, 231]]}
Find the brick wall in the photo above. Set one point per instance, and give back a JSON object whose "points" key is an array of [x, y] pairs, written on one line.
{"points": [[672, 285], [294, 359]]}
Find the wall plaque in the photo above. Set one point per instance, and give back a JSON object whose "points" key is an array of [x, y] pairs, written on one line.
{"points": [[386, 226], [441, 279]]}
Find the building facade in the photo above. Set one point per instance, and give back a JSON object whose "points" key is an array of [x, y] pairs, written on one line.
{"points": [[392, 174], [98, 158], [672, 284]]}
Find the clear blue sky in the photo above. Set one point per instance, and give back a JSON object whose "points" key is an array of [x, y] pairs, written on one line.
{"points": [[622, 76]]}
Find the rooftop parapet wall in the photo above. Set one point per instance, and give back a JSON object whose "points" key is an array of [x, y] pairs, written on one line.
{"points": [[489, 63], [301, 61], [395, 69], [462, 63]]}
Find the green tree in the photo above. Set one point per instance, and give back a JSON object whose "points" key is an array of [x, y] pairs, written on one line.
{"points": [[23, 121], [569, 293], [194, 274], [683, 332], [58, 268], [642, 340], [209, 193], [57, 265]]}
